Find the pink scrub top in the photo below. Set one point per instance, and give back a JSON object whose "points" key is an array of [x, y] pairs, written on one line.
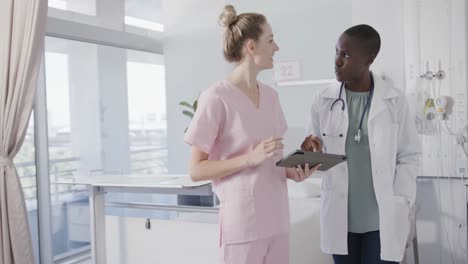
{"points": [[254, 201]]}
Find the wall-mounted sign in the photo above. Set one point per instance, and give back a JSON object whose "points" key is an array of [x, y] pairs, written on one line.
{"points": [[287, 71]]}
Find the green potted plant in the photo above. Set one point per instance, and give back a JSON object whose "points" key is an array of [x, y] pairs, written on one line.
{"points": [[192, 108]]}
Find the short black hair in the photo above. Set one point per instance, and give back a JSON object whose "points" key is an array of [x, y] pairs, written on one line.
{"points": [[369, 37]]}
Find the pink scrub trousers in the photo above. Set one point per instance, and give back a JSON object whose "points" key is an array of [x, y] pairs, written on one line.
{"points": [[273, 250]]}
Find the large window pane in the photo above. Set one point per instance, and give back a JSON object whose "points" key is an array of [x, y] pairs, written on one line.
{"points": [[106, 115], [25, 162], [64, 156], [147, 112]]}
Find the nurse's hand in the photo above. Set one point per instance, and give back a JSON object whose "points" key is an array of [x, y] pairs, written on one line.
{"points": [[312, 143], [298, 174], [263, 151]]}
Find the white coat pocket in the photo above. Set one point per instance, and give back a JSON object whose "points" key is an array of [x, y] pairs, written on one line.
{"points": [[334, 145]]}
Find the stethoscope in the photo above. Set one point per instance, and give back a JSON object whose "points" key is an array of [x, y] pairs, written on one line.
{"points": [[357, 137]]}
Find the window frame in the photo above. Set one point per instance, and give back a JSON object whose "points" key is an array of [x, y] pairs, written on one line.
{"points": [[67, 27]]}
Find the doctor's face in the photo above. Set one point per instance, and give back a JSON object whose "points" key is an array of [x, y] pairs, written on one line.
{"points": [[351, 60]]}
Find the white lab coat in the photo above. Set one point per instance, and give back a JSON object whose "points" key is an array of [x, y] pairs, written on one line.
{"points": [[394, 150]]}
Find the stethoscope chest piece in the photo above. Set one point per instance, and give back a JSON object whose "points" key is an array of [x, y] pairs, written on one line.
{"points": [[357, 137]]}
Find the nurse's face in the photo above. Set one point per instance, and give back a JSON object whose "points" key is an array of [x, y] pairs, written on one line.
{"points": [[264, 48], [351, 59]]}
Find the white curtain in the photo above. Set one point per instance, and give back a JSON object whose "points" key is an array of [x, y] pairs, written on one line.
{"points": [[22, 28]]}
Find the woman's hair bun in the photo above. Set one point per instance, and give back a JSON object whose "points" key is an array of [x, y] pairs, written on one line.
{"points": [[228, 16]]}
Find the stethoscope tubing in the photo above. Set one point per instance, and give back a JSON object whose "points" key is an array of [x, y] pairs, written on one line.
{"points": [[341, 100]]}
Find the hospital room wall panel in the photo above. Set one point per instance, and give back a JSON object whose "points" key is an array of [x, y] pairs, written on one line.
{"points": [[440, 43], [435, 39]]}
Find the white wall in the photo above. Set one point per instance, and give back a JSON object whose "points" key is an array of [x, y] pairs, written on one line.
{"points": [[193, 56], [387, 18], [305, 30]]}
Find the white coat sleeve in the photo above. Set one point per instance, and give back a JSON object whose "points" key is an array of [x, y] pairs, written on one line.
{"points": [[408, 154]]}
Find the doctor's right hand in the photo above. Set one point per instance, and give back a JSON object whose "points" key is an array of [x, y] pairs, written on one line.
{"points": [[263, 151], [312, 143]]}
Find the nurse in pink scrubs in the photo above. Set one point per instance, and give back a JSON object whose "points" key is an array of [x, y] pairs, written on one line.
{"points": [[235, 139]]}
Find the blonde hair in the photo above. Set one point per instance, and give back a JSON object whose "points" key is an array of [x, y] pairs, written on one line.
{"points": [[239, 28]]}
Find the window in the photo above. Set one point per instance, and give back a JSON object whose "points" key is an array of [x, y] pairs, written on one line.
{"points": [[106, 114], [147, 112], [127, 18], [70, 226]]}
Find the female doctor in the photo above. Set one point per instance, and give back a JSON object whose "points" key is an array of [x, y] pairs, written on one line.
{"points": [[366, 201]]}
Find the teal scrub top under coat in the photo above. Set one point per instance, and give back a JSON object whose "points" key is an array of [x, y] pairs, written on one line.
{"points": [[363, 211]]}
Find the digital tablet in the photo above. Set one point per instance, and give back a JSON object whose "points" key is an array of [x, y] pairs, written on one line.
{"points": [[301, 157]]}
